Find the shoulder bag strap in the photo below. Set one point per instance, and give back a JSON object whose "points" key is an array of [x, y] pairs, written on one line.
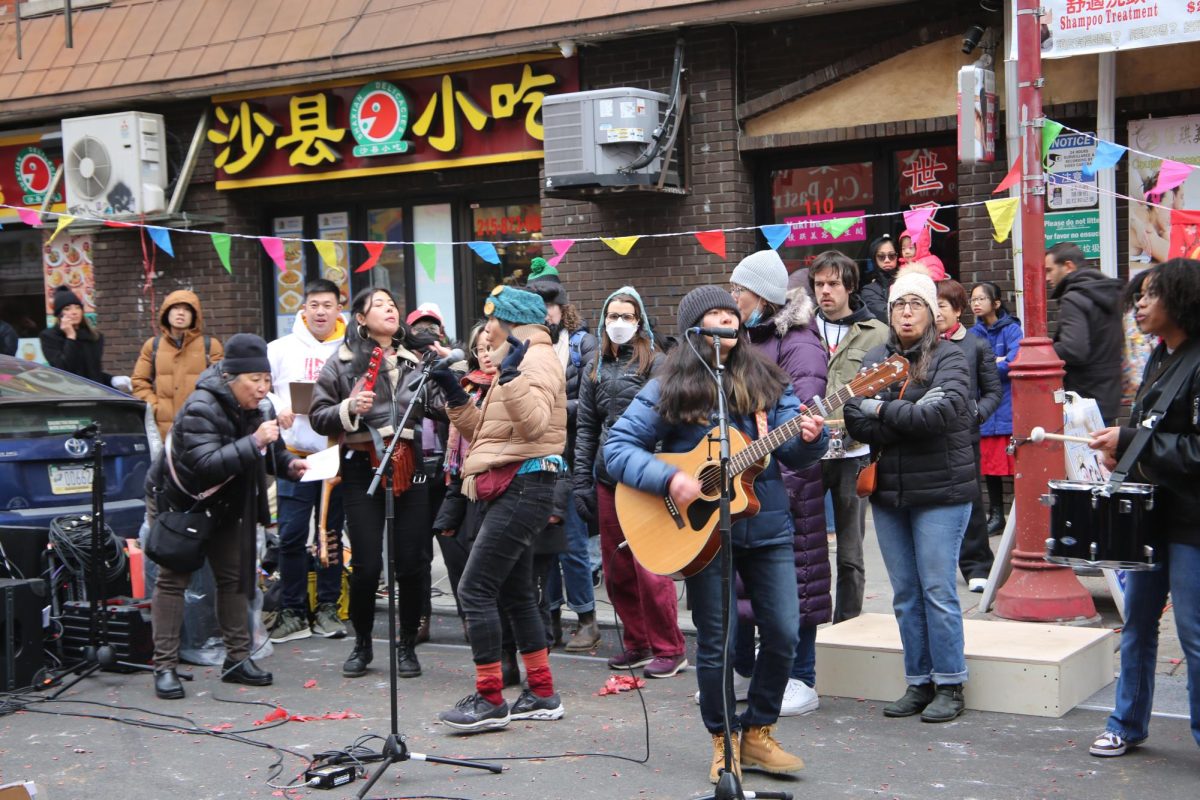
{"points": [[179, 485]]}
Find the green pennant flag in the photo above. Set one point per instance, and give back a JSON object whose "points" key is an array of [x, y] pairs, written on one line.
{"points": [[220, 243], [837, 227], [427, 257], [1050, 132]]}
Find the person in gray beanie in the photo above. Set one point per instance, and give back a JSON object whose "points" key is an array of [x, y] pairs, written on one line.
{"points": [[764, 274]]}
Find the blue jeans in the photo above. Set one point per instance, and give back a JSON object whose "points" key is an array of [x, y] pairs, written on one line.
{"points": [[804, 666], [576, 569], [1145, 598], [297, 502], [920, 548], [769, 574]]}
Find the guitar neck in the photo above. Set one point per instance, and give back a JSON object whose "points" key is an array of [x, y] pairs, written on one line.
{"points": [[760, 448]]}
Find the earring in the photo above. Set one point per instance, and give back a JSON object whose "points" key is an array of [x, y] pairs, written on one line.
{"points": [[363, 333]]}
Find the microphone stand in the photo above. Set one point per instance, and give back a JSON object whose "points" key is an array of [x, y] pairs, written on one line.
{"points": [[729, 787], [394, 748]]}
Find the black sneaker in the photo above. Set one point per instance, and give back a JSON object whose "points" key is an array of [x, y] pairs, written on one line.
{"points": [[530, 706], [474, 713], [914, 701]]}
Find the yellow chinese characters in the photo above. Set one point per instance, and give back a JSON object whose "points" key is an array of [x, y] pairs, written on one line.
{"points": [[506, 98], [246, 131], [447, 100], [310, 132]]}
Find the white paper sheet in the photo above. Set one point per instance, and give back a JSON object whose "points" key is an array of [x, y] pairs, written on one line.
{"points": [[322, 465]]}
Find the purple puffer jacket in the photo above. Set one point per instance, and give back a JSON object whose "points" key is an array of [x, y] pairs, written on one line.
{"points": [[790, 339]]}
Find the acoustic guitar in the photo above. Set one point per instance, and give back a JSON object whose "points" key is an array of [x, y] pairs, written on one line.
{"points": [[680, 541]]}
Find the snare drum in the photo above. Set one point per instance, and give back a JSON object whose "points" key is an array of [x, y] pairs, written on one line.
{"points": [[1088, 529]]}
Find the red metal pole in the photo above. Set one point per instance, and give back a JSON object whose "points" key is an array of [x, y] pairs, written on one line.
{"points": [[1036, 591]]}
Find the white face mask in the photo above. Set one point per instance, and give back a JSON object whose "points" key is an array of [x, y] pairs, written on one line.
{"points": [[620, 332]]}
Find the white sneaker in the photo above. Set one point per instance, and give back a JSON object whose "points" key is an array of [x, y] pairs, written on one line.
{"points": [[741, 688], [798, 698], [977, 585]]}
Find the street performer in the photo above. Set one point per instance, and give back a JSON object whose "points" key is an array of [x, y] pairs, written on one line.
{"points": [[363, 419], [1168, 306], [678, 408]]}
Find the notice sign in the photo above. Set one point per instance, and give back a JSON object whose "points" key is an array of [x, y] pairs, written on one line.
{"points": [[1068, 187], [807, 231], [1075, 27], [1079, 227]]}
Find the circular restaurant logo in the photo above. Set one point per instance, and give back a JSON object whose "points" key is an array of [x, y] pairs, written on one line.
{"points": [[379, 120], [34, 173]]}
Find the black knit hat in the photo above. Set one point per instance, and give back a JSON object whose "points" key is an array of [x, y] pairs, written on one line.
{"points": [[64, 297], [544, 281], [245, 352], [699, 301]]}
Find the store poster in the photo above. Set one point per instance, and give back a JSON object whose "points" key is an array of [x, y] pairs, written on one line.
{"points": [[289, 282], [336, 228], [1152, 237], [1075, 27], [67, 261]]}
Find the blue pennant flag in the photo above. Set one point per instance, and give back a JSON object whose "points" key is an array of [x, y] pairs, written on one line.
{"points": [[776, 234], [162, 238], [486, 251], [1107, 156]]}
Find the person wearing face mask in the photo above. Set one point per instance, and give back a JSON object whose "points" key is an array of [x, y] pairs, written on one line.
{"points": [[645, 602], [882, 262]]}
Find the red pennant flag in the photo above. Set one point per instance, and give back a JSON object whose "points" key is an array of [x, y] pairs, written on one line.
{"points": [[374, 251], [112, 223], [713, 242], [1011, 179]]}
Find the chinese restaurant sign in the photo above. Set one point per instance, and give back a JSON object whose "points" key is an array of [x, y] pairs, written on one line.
{"points": [[25, 174], [424, 119]]}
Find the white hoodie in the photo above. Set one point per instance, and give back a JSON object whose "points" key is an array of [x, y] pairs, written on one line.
{"points": [[298, 357]]}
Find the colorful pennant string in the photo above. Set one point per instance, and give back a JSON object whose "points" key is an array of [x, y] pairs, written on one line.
{"points": [[561, 246], [1107, 156], [221, 243], [486, 251], [374, 251], [838, 226], [274, 247], [162, 238], [1003, 212], [621, 245], [916, 220], [713, 242], [28, 216], [1170, 174], [776, 234], [1050, 132], [328, 251], [1011, 179], [63, 222], [427, 258]]}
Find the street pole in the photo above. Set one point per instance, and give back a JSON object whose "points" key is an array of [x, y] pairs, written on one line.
{"points": [[1036, 591]]}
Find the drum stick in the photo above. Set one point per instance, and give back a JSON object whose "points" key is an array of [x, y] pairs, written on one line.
{"points": [[1039, 435]]}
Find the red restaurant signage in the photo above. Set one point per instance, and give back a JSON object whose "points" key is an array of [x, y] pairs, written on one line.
{"points": [[433, 118], [25, 174]]}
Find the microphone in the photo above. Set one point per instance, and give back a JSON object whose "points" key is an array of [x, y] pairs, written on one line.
{"points": [[720, 333], [266, 409], [453, 357]]}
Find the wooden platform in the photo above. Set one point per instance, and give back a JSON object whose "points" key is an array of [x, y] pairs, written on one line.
{"points": [[1015, 667]]}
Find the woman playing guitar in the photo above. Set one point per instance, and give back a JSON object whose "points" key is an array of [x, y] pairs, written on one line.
{"points": [[348, 402], [677, 408]]}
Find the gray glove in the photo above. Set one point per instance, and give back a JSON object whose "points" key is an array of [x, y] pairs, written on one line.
{"points": [[932, 396], [871, 407]]}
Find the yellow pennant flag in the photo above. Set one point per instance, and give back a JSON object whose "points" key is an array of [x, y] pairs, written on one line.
{"points": [[63, 221], [328, 252], [1003, 212], [621, 245]]}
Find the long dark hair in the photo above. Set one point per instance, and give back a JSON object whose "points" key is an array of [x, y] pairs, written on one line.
{"points": [[359, 340], [689, 395], [918, 356], [643, 350]]}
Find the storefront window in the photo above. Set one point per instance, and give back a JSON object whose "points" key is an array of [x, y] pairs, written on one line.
{"points": [[497, 224], [814, 194], [387, 225], [22, 283]]}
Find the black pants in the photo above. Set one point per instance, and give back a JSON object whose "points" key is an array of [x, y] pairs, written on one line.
{"points": [[365, 524], [500, 568], [975, 556]]}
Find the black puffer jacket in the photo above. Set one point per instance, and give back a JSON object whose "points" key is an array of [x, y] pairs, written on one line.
{"points": [[81, 356], [985, 393], [1171, 460], [587, 357], [602, 401], [876, 285], [1090, 337], [927, 457]]}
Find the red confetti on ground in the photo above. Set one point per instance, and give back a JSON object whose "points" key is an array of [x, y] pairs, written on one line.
{"points": [[1176, 661], [274, 716], [621, 683], [311, 683], [347, 714], [224, 726]]}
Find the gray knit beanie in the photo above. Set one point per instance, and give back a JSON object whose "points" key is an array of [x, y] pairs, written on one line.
{"points": [[764, 274], [699, 301]]}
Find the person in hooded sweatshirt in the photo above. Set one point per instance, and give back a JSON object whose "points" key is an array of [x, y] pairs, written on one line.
{"points": [[170, 363], [1090, 337]]}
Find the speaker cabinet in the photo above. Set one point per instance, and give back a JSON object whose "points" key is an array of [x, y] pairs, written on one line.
{"points": [[21, 604]]}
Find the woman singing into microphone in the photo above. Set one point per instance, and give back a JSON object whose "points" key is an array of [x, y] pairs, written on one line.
{"points": [[362, 419]]}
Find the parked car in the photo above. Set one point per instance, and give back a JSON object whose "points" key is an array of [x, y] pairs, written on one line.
{"points": [[46, 457]]}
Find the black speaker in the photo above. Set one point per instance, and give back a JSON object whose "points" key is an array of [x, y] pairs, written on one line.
{"points": [[129, 632], [25, 549], [21, 604]]}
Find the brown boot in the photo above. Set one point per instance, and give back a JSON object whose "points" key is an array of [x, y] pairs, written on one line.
{"points": [[587, 635], [718, 759], [759, 749]]}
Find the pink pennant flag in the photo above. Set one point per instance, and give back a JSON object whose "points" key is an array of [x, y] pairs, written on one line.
{"points": [[561, 246], [1170, 174], [29, 216], [713, 242], [274, 247], [374, 251], [915, 220]]}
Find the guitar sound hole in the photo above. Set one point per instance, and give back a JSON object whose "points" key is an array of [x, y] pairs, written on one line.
{"points": [[710, 481]]}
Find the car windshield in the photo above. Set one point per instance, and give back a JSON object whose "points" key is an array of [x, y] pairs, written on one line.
{"points": [[22, 379]]}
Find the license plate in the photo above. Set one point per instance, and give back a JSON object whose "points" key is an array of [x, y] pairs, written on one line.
{"points": [[70, 480]]}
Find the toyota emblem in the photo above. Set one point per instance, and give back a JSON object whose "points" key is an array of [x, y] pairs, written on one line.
{"points": [[76, 447]]}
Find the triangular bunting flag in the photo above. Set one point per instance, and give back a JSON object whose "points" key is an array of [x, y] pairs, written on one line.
{"points": [[1050, 132], [1107, 156], [162, 238], [915, 220], [274, 247], [221, 243], [427, 257], [713, 242], [486, 251], [63, 221], [1011, 179], [29, 216], [374, 251], [838, 226], [1002, 212], [561, 246], [116, 223], [328, 251], [621, 245], [1170, 174], [775, 234]]}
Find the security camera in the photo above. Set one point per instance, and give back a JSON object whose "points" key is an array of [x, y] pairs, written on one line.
{"points": [[972, 38]]}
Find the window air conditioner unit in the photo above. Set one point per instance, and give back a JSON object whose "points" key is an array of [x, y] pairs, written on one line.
{"points": [[115, 165]]}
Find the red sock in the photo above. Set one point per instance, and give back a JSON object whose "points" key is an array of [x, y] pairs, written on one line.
{"points": [[488, 682], [537, 672]]}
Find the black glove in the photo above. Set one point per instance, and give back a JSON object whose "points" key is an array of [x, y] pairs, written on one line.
{"points": [[585, 504], [447, 381], [510, 366]]}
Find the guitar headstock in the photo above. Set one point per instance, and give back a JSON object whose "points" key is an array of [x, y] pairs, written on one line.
{"points": [[872, 381]]}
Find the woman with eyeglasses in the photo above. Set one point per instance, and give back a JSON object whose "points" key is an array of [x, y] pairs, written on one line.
{"points": [[920, 435], [883, 258]]}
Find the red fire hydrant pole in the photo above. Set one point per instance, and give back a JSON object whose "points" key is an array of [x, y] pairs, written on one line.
{"points": [[1036, 591]]}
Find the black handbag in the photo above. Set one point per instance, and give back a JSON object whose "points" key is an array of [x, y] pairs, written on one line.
{"points": [[176, 539]]}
